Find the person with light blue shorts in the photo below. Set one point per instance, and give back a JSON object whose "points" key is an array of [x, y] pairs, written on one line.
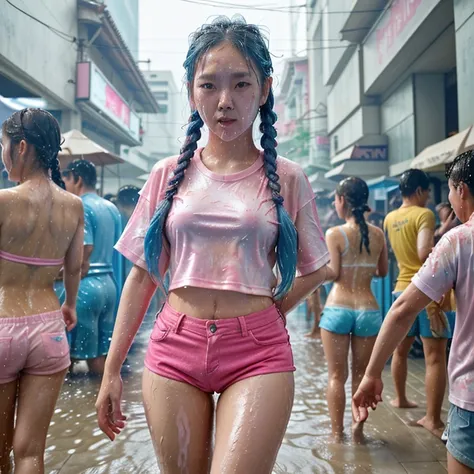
{"points": [[102, 275], [351, 318]]}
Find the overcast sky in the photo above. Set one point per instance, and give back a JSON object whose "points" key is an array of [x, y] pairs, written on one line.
{"points": [[166, 24]]}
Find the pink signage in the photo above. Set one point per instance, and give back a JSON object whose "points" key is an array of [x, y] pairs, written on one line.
{"points": [[399, 16], [116, 105]]}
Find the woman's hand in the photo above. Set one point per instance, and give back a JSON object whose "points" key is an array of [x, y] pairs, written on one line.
{"points": [[108, 406], [368, 394], [69, 315]]}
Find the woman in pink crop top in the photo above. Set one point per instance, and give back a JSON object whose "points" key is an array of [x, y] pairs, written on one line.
{"points": [[218, 218], [41, 231]]}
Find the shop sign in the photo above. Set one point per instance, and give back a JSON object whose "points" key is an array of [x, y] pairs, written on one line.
{"points": [[370, 153], [93, 87], [398, 23]]}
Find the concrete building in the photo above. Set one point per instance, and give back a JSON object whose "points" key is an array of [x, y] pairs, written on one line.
{"points": [[73, 55], [400, 78], [163, 131], [292, 106]]}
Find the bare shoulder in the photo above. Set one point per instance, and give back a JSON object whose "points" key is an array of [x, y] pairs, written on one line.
{"points": [[376, 231], [333, 233], [72, 202]]}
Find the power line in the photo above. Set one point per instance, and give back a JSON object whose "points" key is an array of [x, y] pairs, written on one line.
{"points": [[61, 34], [289, 9]]}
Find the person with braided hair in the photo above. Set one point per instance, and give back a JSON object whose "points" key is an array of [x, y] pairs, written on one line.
{"points": [[42, 229], [220, 218], [351, 318]]}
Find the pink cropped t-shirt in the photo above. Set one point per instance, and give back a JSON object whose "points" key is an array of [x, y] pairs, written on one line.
{"points": [[221, 230]]}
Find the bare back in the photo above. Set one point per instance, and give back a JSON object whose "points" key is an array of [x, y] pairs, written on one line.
{"points": [[37, 219], [355, 271]]}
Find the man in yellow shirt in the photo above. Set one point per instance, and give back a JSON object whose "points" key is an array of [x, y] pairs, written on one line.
{"points": [[410, 230]]}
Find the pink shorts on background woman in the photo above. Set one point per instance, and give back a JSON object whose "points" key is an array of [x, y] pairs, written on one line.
{"points": [[35, 345], [212, 354]]}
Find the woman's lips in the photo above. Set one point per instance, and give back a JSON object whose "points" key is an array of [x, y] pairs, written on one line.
{"points": [[226, 122]]}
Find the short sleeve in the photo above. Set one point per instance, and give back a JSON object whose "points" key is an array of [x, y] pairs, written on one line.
{"points": [[88, 227], [438, 274], [312, 250], [426, 220], [131, 242]]}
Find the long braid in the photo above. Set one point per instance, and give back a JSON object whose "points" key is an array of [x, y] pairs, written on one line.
{"points": [[287, 243], [56, 172], [358, 214], [154, 235]]}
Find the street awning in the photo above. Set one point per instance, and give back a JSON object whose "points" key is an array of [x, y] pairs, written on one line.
{"points": [[320, 183], [362, 169], [77, 146], [435, 157]]}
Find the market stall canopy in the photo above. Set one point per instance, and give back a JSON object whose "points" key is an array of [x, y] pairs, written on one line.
{"points": [[435, 157], [77, 146]]}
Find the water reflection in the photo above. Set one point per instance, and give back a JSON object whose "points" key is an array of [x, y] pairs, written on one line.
{"points": [[76, 445]]}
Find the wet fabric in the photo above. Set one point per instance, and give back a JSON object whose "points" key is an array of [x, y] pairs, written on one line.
{"points": [[99, 292], [35, 345], [358, 322], [460, 433], [402, 227], [233, 218], [451, 264], [214, 354], [421, 327], [96, 303]]}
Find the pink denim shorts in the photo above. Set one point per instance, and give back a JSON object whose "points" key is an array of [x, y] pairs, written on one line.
{"points": [[35, 345], [212, 354]]}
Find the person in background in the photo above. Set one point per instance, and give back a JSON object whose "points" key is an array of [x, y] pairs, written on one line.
{"points": [[450, 266], [351, 318], [42, 229], [448, 220], [99, 291], [410, 230]]}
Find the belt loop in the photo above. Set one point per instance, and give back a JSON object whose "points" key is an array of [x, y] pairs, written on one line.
{"points": [[178, 323], [243, 326]]}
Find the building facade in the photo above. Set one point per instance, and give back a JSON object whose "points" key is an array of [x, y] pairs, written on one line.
{"points": [[75, 58], [399, 77]]}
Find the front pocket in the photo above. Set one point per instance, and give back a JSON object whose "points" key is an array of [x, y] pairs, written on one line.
{"points": [[55, 344], [270, 334], [160, 331], [5, 348]]}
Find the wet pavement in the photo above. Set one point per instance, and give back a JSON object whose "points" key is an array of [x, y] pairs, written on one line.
{"points": [[76, 445]]}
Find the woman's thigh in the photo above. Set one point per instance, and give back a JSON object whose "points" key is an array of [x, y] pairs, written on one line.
{"points": [[252, 416], [180, 419]]}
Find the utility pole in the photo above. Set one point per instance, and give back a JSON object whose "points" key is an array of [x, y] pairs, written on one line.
{"points": [[294, 14]]}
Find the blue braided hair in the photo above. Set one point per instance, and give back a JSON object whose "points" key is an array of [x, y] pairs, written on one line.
{"points": [[249, 40]]}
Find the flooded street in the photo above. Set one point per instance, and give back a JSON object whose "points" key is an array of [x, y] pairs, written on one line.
{"points": [[76, 445]]}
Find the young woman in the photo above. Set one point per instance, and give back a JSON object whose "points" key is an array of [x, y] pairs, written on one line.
{"points": [[450, 265], [41, 231], [219, 218], [351, 318]]}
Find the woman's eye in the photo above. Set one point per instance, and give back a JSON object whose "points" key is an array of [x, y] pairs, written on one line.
{"points": [[206, 86], [242, 84]]}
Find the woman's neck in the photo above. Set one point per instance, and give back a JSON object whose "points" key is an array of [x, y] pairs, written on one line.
{"points": [[222, 155], [351, 221], [34, 176]]}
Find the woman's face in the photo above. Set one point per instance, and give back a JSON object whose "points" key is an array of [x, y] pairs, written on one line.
{"points": [[339, 204], [227, 92]]}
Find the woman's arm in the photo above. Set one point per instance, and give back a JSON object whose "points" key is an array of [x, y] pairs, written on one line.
{"points": [[302, 287], [334, 266], [73, 261], [136, 296]]}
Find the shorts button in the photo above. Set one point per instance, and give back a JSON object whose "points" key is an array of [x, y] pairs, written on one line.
{"points": [[213, 328]]}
